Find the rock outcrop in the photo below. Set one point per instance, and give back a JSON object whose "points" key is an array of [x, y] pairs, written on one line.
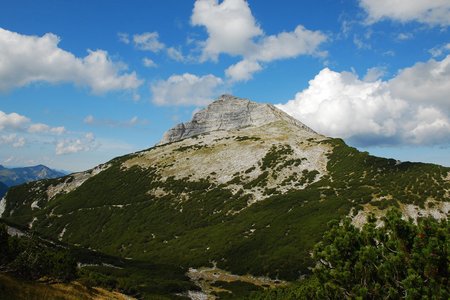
{"points": [[229, 113]]}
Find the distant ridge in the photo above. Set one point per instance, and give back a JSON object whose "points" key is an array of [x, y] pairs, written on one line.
{"points": [[3, 189], [16, 176]]}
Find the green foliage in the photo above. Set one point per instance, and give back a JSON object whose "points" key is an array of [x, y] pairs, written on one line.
{"points": [[275, 155], [359, 177], [29, 258], [137, 278], [247, 138], [397, 260], [191, 147], [235, 289]]}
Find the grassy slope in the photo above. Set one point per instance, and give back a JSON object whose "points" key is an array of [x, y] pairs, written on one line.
{"points": [[272, 237], [12, 288]]}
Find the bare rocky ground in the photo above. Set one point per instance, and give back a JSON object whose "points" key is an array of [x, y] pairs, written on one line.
{"points": [[205, 278]]}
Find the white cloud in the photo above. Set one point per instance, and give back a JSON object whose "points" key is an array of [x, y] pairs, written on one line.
{"points": [[186, 89], [432, 12], [281, 46], [175, 54], [230, 25], [13, 140], [424, 83], [19, 123], [68, 146], [123, 37], [19, 130], [148, 41], [284, 45], [233, 30], [408, 109], [375, 73], [44, 128], [243, 70], [134, 121], [38, 127], [341, 105], [428, 126], [404, 36], [26, 59], [149, 63], [12, 121], [58, 130], [439, 50]]}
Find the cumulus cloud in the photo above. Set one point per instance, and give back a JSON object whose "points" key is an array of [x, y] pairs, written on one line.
{"points": [[341, 105], [230, 26], [13, 140], [424, 83], [16, 122], [148, 41], [25, 59], [68, 146], [233, 30], [432, 12], [288, 45], [398, 111], [12, 121], [17, 130], [243, 70], [186, 89], [44, 128]]}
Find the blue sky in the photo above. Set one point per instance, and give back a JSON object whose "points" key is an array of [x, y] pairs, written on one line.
{"points": [[84, 81]]}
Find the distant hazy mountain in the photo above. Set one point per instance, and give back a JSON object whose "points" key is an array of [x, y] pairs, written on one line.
{"points": [[16, 176], [3, 189]]}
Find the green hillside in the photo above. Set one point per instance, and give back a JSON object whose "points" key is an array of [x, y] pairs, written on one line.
{"points": [[114, 213], [247, 200]]}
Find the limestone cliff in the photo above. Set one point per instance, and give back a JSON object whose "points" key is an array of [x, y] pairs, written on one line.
{"points": [[229, 113]]}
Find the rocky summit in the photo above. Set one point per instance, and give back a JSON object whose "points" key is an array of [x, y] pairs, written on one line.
{"points": [[229, 113]]}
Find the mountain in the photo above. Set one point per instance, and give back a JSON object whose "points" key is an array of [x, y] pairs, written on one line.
{"points": [[242, 186], [3, 189], [16, 176]]}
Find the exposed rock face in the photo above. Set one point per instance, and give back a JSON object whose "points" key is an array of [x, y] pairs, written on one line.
{"points": [[228, 113]]}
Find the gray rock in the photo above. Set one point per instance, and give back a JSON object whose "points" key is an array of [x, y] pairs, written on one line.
{"points": [[229, 113]]}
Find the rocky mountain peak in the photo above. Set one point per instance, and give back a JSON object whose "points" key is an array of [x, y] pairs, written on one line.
{"points": [[229, 113]]}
